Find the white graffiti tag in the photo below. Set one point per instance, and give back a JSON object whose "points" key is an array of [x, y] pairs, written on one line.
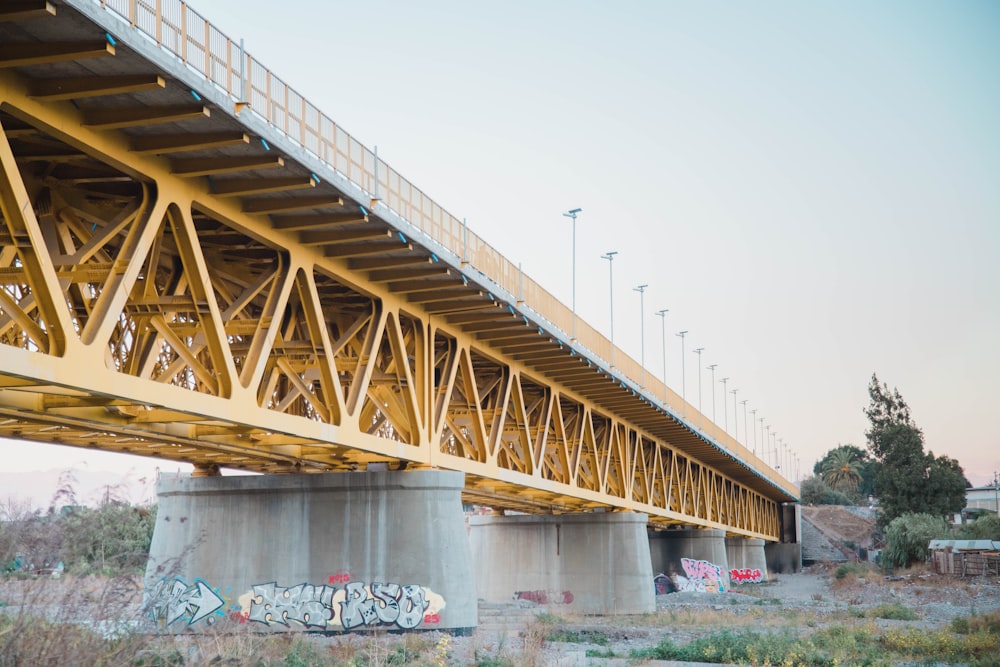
{"points": [[383, 603], [174, 600], [305, 604]]}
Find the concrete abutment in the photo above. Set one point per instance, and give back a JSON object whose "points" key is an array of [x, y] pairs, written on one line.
{"points": [[324, 552]]}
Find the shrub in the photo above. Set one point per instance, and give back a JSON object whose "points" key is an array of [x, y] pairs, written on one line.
{"points": [[907, 536], [986, 527]]}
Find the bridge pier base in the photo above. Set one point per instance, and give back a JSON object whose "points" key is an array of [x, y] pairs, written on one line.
{"points": [[585, 563], [327, 552], [694, 558], [747, 564]]}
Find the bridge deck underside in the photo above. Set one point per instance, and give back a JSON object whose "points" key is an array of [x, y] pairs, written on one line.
{"points": [[173, 286]]}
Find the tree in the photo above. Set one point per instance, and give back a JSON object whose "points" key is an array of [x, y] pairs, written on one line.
{"points": [[865, 466], [842, 470], [814, 491], [908, 536], [907, 479]]}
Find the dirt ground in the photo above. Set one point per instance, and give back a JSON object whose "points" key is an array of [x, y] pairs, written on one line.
{"points": [[840, 524]]}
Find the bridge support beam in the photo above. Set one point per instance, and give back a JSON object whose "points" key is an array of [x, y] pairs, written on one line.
{"points": [[694, 558], [327, 552], [585, 563], [747, 564]]}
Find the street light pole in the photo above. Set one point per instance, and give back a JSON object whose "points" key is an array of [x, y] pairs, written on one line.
{"points": [[641, 289], [610, 256], [698, 351], [767, 446], [746, 436], [725, 405], [683, 376], [572, 215], [663, 331], [715, 426], [736, 417], [754, 422]]}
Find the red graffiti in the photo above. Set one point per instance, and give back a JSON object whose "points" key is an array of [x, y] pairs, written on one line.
{"points": [[432, 619], [238, 616], [746, 575], [545, 597], [339, 577], [701, 569]]}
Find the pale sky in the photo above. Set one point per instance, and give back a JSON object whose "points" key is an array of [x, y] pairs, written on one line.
{"points": [[810, 188]]}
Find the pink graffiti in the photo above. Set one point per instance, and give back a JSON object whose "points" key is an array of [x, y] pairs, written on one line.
{"points": [[432, 619], [701, 569], [545, 597], [746, 575], [339, 577]]}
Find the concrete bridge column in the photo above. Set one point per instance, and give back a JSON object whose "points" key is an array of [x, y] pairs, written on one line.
{"points": [[694, 559], [585, 563], [747, 564], [325, 552]]}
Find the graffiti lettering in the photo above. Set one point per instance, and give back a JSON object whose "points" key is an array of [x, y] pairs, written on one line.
{"points": [[545, 597], [174, 600], [338, 577], [383, 603], [746, 575], [304, 604], [702, 577]]}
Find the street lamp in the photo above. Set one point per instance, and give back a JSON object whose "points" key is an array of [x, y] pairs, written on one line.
{"points": [[572, 215], [715, 426], [698, 351], [736, 417], [767, 446], [683, 377], [641, 289], [754, 422], [725, 409], [746, 436], [996, 491], [610, 256], [663, 331]]}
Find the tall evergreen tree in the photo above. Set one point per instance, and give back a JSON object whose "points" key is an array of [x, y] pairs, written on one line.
{"points": [[908, 479]]}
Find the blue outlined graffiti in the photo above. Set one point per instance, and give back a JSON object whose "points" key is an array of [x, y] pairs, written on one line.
{"points": [[173, 600]]}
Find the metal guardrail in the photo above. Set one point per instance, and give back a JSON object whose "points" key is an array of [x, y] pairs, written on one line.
{"points": [[206, 50]]}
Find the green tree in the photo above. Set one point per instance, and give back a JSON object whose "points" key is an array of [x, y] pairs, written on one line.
{"points": [[986, 527], [842, 471], [907, 479], [908, 536], [814, 491], [865, 466]]}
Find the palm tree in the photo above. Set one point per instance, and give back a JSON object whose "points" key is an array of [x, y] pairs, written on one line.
{"points": [[842, 470]]}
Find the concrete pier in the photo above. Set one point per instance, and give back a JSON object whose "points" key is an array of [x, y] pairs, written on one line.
{"points": [[747, 564], [694, 559], [584, 563], [327, 552]]}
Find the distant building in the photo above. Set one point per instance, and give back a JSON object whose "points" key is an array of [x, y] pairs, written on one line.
{"points": [[983, 498]]}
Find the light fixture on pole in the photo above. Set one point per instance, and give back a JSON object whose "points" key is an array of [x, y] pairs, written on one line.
{"points": [[698, 351], [736, 417], [641, 289], [663, 330], [774, 443], [572, 216], [746, 436], [767, 446], [610, 256], [754, 422], [715, 426], [725, 408], [683, 378]]}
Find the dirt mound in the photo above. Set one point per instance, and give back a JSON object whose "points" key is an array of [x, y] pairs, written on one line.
{"points": [[840, 523]]}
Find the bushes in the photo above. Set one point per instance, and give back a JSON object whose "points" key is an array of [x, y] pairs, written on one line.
{"points": [[907, 537]]}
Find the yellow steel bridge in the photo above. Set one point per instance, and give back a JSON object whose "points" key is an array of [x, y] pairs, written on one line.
{"points": [[197, 264]]}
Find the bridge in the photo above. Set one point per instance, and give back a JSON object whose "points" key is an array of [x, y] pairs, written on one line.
{"points": [[199, 265]]}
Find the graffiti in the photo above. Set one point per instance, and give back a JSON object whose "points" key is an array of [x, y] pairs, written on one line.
{"points": [[305, 604], [338, 577], [702, 577], [545, 597], [331, 608], [174, 600], [746, 575], [662, 584]]}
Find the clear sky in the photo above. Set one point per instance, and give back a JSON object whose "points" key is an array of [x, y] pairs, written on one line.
{"points": [[812, 189]]}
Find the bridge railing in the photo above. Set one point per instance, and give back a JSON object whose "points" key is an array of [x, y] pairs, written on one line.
{"points": [[222, 61]]}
